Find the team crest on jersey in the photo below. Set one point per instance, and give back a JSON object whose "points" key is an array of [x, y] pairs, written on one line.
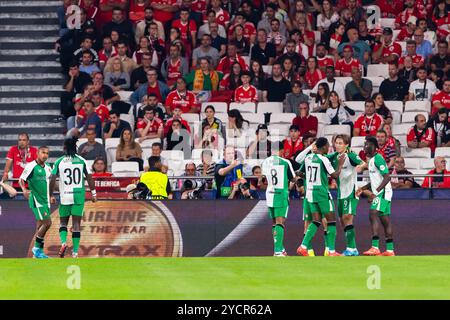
{"points": [[382, 167]]}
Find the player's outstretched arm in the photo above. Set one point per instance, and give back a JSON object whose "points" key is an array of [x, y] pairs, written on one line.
{"points": [[302, 155], [91, 185]]}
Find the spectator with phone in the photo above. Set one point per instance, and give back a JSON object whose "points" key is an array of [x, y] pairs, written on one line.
{"points": [[228, 172]]}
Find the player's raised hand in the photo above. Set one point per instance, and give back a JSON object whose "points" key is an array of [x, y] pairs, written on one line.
{"points": [[341, 159]]}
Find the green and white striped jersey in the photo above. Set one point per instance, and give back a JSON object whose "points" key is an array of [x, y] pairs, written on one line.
{"points": [[317, 168], [71, 172], [278, 172], [38, 179], [348, 177], [377, 168]]}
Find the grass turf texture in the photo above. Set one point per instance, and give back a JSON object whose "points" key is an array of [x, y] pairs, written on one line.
{"points": [[409, 277]]}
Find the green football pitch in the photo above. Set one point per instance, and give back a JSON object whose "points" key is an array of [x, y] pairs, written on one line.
{"points": [[408, 277]]}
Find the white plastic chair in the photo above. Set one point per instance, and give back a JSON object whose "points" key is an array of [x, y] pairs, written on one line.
{"points": [[357, 106], [274, 107], [358, 142], [412, 163], [220, 107], [248, 107], [408, 117], [334, 129], [421, 106], [197, 154], [282, 118], [125, 169], [394, 106], [442, 152], [378, 70], [417, 153], [173, 154]]}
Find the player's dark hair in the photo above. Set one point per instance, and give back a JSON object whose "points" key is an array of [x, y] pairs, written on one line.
{"points": [[321, 142], [372, 140], [70, 146], [153, 162]]}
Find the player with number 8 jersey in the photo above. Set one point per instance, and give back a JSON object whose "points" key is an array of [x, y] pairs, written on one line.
{"points": [[279, 173], [71, 169]]}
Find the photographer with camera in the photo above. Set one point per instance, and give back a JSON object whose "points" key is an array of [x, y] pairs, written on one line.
{"points": [[191, 188], [241, 190], [156, 181], [138, 192]]}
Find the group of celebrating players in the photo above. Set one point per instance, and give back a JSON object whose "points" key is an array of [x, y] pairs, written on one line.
{"points": [[316, 164]]}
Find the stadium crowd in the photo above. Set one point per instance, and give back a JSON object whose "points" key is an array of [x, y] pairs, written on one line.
{"points": [[206, 86]]}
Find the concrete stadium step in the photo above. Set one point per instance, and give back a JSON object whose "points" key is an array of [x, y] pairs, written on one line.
{"points": [[32, 124], [37, 112], [13, 101], [31, 82], [23, 64], [16, 119], [37, 9], [25, 4], [30, 27], [27, 21], [29, 33], [30, 57], [28, 39], [29, 76], [30, 106], [28, 15], [27, 45], [35, 69], [34, 130], [30, 94], [30, 88], [30, 52]]}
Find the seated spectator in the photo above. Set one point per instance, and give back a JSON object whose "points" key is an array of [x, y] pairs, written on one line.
{"points": [[237, 126], [419, 136], [263, 51], [152, 86], [276, 87], [245, 92], [381, 108], [87, 65], [189, 171], [232, 56], [337, 112], [388, 51], [156, 181], [261, 182], [242, 43], [441, 60], [313, 74], [90, 120], [211, 23], [368, 123], [441, 126], [392, 140], [152, 102], [119, 23], [207, 167], [394, 88], [150, 127], [129, 150], [137, 10], [205, 50], [293, 143], [441, 99], [306, 123], [108, 95], [217, 41], [144, 47], [231, 81], [139, 75], [364, 35], [75, 85], [86, 46], [402, 183], [441, 18], [327, 16], [91, 149], [178, 138], [115, 126], [174, 66], [418, 60], [107, 51], [148, 19], [276, 37], [422, 89], [18, 156], [156, 42], [188, 30], [297, 59], [439, 168], [424, 47], [407, 32], [323, 59], [260, 148], [288, 70], [336, 37], [100, 108], [294, 98], [344, 66], [204, 78], [258, 76], [117, 79], [177, 114], [227, 173], [436, 76], [359, 89], [99, 169], [386, 149], [210, 122], [409, 73], [243, 191], [181, 98], [322, 99], [128, 64], [333, 84]]}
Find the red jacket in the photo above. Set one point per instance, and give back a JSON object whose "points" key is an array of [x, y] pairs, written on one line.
{"points": [[434, 184]]}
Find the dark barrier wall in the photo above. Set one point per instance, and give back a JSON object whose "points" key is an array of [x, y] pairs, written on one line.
{"points": [[214, 228]]}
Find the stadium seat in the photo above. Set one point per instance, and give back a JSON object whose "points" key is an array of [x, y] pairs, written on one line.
{"points": [[222, 117], [90, 163], [278, 129], [273, 107], [419, 180], [173, 154], [394, 106], [412, 163], [128, 118], [282, 118], [248, 107], [125, 169], [356, 150], [417, 153], [442, 152], [395, 34], [197, 154], [402, 139], [254, 118], [427, 164], [218, 106], [110, 148], [191, 117], [250, 163], [378, 70], [408, 117], [358, 106], [317, 36], [321, 117], [83, 140], [358, 142], [334, 129], [402, 45], [421, 106], [147, 143], [387, 22], [344, 81], [125, 95], [267, 69], [400, 129], [175, 166]]}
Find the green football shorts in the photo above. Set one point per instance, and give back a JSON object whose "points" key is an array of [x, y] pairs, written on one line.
{"points": [[41, 213], [307, 214], [323, 207], [278, 212], [71, 210], [347, 206], [381, 205]]}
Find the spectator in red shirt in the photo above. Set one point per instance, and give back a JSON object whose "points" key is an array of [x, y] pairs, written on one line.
{"points": [[182, 98], [164, 10], [407, 32], [137, 10], [108, 51], [188, 29], [441, 99], [293, 143], [390, 8], [226, 62], [246, 92], [18, 157], [385, 148], [99, 169], [369, 122], [387, 51], [344, 66], [313, 73], [105, 13], [438, 182], [176, 115], [150, 127], [410, 10], [419, 136], [306, 123], [418, 60]]}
